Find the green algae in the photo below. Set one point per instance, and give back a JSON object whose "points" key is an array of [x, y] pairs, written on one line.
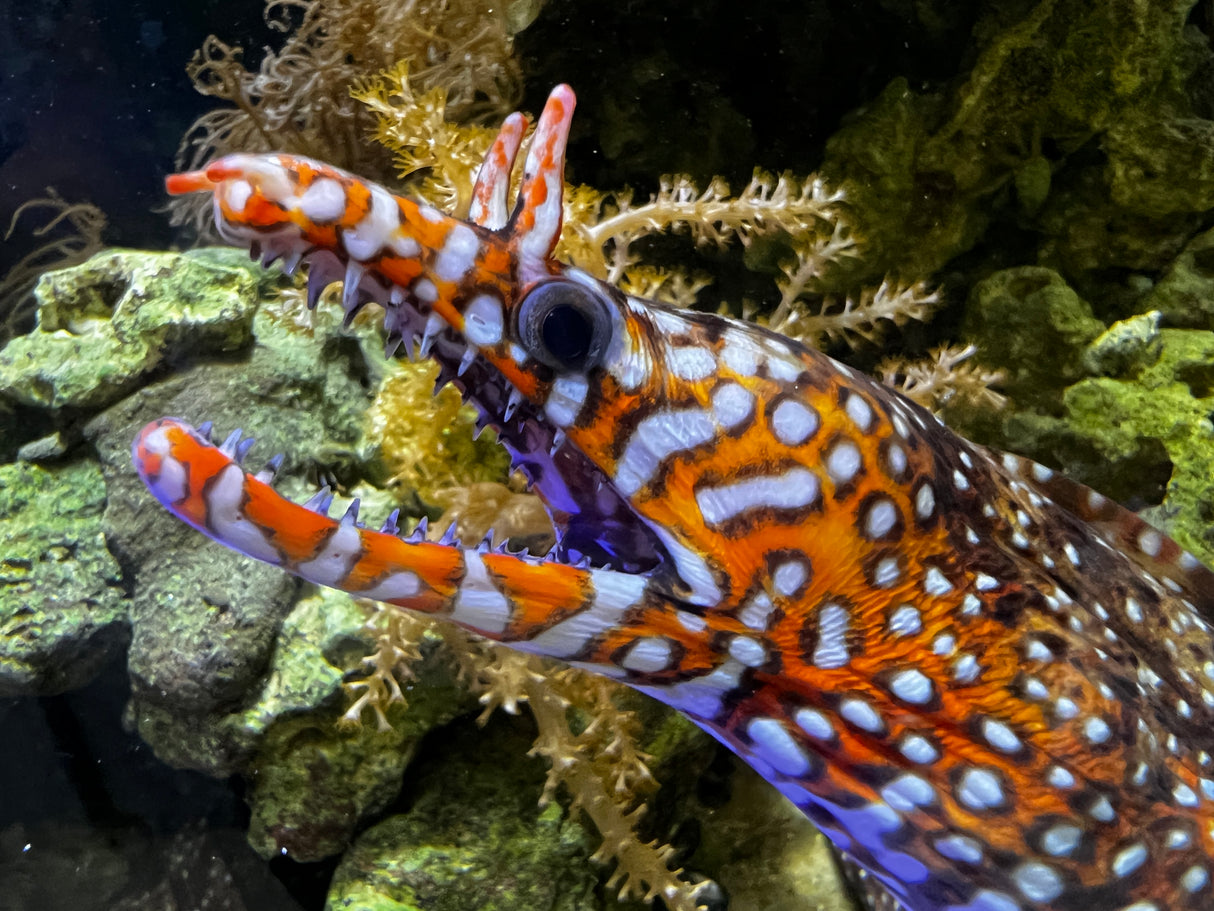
{"points": [[475, 837], [1031, 323], [314, 782], [104, 325], [928, 173], [62, 606]]}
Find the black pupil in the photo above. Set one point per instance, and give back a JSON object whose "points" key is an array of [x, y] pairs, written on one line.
{"points": [[567, 333]]}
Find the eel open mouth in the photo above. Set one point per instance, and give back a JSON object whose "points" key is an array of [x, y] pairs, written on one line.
{"points": [[594, 525]]}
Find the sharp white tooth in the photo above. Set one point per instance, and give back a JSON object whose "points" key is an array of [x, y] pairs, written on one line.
{"points": [[512, 402], [419, 533], [318, 280], [465, 362], [481, 424], [391, 343], [349, 293], [396, 295], [448, 536], [228, 446], [351, 516], [290, 261], [434, 325], [320, 501], [242, 450], [204, 430], [390, 527], [557, 439], [267, 474]]}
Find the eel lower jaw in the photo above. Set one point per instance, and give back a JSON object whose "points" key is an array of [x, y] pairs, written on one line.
{"points": [[594, 525]]}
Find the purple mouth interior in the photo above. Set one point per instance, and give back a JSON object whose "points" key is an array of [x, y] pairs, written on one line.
{"points": [[593, 523]]}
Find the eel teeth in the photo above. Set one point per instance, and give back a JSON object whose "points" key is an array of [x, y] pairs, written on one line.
{"points": [[290, 261], [448, 537], [392, 342], [270, 471], [390, 526], [512, 402], [465, 362], [434, 325], [351, 516], [320, 501], [445, 375], [228, 446], [242, 450], [558, 438], [419, 533], [318, 280], [482, 421], [204, 430]]}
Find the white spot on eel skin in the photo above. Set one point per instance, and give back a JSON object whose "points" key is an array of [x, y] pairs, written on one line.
{"points": [[795, 488], [614, 594], [830, 652], [478, 603], [372, 233], [565, 399], [225, 500], [912, 686], [648, 655], [483, 322], [322, 202], [860, 412], [979, 789], [862, 715], [399, 585], [655, 439], [793, 422], [458, 254], [814, 723], [690, 363], [778, 747], [843, 462], [732, 404]]}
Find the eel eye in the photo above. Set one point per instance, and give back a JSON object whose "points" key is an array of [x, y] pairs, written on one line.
{"points": [[564, 325]]}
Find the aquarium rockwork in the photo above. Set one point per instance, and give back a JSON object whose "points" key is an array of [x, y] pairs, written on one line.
{"points": [[572, 456]]}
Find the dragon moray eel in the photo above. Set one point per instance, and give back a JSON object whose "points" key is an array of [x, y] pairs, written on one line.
{"points": [[990, 687]]}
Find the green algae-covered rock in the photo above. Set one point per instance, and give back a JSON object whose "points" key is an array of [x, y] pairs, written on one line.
{"points": [[475, 836], [927, 173], [1143, 437], [103, 325], [62, 609], [205, 619], [314, 782], [1029, 322], [1125, 347], [1184, 295]]}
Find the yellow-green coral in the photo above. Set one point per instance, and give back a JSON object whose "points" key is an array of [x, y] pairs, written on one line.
{"points": [[298, 100], [426, 441]]}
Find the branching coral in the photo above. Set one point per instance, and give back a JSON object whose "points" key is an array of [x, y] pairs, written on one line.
{"points": [[423, 141], [946, 379], [805, 217], [298, 100], [428, 442], [70, 235], [587, 738]]}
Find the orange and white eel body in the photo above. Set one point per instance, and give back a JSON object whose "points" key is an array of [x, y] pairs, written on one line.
{"points": [[990, 687]]}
